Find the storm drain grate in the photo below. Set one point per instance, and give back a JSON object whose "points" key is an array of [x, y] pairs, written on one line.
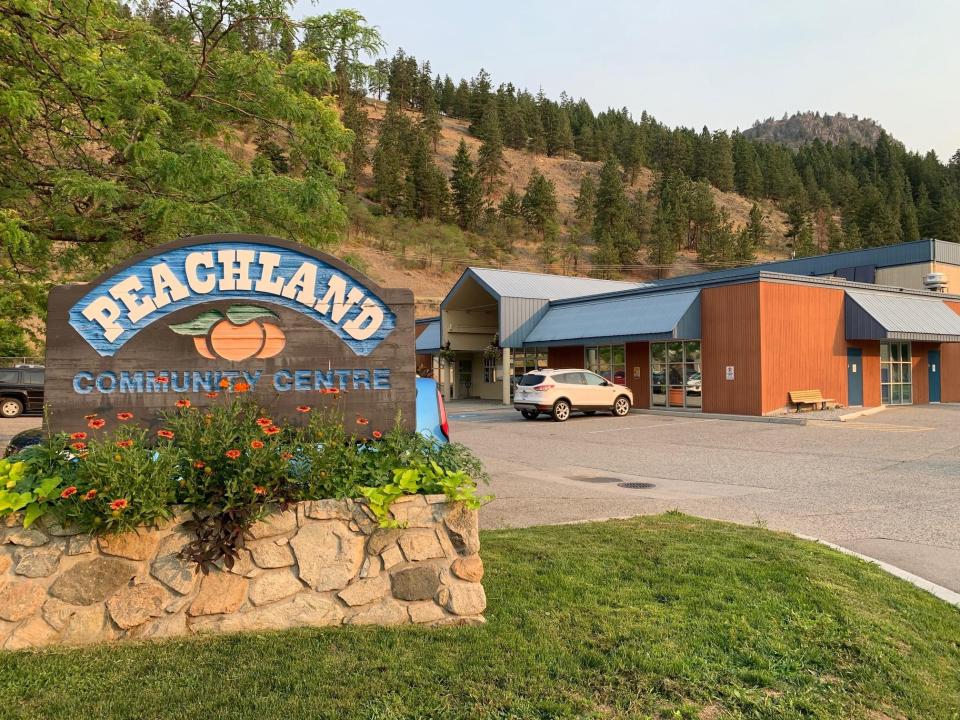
{"points": [[636, 485]]}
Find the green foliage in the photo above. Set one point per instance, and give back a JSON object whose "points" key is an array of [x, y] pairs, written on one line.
{"points": [[466, 189], [613, 229], [227, 463], [427, 479], [539, 203], [341, 39], [124, 131]]}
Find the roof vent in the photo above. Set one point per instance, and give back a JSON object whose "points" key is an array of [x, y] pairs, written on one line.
{"points": [[935, 281]]}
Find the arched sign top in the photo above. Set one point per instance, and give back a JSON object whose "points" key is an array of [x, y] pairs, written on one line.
{"points": [[245, 270]]}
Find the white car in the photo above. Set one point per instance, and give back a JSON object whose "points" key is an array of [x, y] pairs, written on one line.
{"points": [[560, 392]]}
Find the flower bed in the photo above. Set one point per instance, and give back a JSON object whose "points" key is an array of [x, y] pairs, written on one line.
{"points": [[214, 475]]}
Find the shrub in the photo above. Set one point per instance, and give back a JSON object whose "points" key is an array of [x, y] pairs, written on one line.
{"points": [[229, 464]]}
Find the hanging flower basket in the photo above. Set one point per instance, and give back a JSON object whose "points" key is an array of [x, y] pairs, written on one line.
{"points": [[446, 354], [493, 350]]}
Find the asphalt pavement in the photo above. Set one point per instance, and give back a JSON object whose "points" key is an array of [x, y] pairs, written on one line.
{"points": [[887, 485]]}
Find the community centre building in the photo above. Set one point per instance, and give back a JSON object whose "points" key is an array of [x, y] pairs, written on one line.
{"points": [[879, 326]]}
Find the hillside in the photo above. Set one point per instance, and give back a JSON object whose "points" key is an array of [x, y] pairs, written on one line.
{"points": [[431, 271], [802, 128]]}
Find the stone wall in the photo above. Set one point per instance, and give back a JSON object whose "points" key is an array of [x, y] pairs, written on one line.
{"points": [[320, 563]]}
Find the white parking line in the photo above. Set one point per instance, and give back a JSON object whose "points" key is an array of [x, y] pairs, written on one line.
{"points": [[674, 423]]}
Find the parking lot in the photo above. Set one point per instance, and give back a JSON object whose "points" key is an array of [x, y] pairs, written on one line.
{"points": [[887, 486]]}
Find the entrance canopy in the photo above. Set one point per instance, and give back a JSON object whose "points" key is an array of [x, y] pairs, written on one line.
{"points": [[654, 316], [888, 316], [428, 342]]}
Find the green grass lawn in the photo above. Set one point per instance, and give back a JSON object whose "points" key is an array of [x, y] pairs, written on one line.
{"points": [[665, 616]]}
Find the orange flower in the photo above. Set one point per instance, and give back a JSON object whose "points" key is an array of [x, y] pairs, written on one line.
{"points": [[377, 434], [183, 403], [224, 383], [212, 394], [119, 504], [96, 423], [362, 421], [272, 430], [79, 446], [264, 421], [124, 416], [124, 443], [232, 454], [68, 492], [330, 391], [198, 464], [78, 436], [286, 456], [90, 495], [259, 490], [241, 387], [91, 416], [165, 434], [161, 380], [303, 408], [256, 444]]}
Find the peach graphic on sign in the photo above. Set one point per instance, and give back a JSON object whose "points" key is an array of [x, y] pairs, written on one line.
{"points": [[246, 331]]}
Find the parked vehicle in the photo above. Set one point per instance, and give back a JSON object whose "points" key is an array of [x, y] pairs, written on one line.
{"points": [[694, 383], [22, 440], [21, 390], [560, 392]]}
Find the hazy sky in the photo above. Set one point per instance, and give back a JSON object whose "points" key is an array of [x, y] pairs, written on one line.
{"points": [[696, 62]]}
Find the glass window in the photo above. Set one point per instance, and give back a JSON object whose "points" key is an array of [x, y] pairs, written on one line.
{"points": [[33, 377], [591, 379], [489, 369], [896, 374], [9, 376], [608, 361], [569, 378], [675, 374], [531, 379]]}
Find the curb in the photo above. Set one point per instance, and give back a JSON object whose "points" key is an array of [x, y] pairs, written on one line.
{"points": [[938, 591], [862, 413], [717, 416]]}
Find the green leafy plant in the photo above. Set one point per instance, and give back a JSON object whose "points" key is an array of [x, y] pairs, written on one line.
{"points": [[24, 490], [428, 478]]}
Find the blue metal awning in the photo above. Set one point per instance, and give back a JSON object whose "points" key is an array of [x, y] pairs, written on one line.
{"points": [[656, 316], [428, 341], [872, 315]]}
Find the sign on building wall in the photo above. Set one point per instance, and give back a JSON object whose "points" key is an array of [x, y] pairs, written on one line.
{"points": [[298, 326]]}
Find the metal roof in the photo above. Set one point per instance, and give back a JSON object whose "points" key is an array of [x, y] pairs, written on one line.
{"points": [[645, 317], [886, 316], [429, 340], [513, 283]]}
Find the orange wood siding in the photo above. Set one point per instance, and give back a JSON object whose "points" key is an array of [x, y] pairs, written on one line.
{"points": [[803, 344], [565, 357], [730, 322], [950, 370], [638, 356]]}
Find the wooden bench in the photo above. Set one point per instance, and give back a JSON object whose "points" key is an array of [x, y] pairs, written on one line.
{"points": [[811, 397]]}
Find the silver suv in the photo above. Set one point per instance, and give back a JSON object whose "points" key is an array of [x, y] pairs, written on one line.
{"points": [[560, 392]]}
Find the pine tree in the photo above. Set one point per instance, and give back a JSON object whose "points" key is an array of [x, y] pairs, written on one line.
{"points": [[389, 158], [720, 166], [430, 122], [835, 240], [539, 204], [511, 204], [803, 244], [584, 207], [466, 189], [490, 163], [426, 194], [355, 118], [612, 231]]}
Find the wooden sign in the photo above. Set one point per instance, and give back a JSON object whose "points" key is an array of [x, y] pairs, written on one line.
{"points": [[298, 326]]}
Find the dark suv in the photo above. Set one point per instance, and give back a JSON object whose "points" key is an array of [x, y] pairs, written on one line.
{"points": [[21, 390]]}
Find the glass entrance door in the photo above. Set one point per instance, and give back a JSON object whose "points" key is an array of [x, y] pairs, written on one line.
{"points": [[676, 380], [896, 373]]}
